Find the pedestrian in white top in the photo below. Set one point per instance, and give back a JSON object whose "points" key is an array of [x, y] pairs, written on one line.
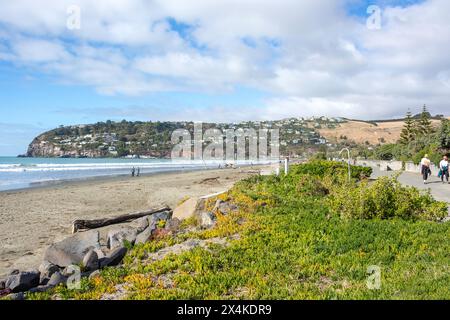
{"points": [[443, 166], [425, 164]]}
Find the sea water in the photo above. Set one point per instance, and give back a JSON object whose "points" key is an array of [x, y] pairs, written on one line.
{"points": [[18, 173]]}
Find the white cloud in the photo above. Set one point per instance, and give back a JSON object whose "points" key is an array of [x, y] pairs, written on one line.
{"points": [[35, 51], [310, 56]]}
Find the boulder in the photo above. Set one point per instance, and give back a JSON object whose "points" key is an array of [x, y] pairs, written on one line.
{"points": [[23, 281], [155, 218], [224, 207], [173, 225], [145, 235], [43, 280], [56, 279], [14, 272], [72, 249], [100, 253], [16, 296], [206, 219], [5, 292], [70, 270], [140, 224], [117, 237], [187, 209], [47, 269], [114, 257], [90, 260], [2, 284], [41, 288]]}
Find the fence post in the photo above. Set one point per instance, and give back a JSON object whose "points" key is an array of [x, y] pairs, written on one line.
{"points": [[286, 166]]}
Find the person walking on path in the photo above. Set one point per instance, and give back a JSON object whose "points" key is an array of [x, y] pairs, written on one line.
{"points": [[425, 164], [443, 166]]}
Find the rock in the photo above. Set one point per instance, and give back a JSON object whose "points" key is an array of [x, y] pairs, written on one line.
{"points": [[140, 224], [187, 209], [72, 249], [90, 260], [56, 279], [14, 272], [2, 284], [41, 288], [173, 225], [5, 292], [145, 235], [117, 237], [175, 249], [100, 253], [43, 281], [16, 296], [217, 205], [70, 270], [206, 219], [114, 257], [224, 207], [23, 281], [155, 218], [47, 269], [94, 274]]}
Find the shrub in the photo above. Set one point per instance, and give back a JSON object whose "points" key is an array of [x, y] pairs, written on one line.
{"points": [[323, 169], [384, 199], [311, 186]]}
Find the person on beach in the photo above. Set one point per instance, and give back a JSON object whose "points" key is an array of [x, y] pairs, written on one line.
{"points": [[443, 166], [133, 171], [425, 164], [138, 172]]}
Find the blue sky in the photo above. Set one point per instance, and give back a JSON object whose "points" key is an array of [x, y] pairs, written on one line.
{"points": [[223, 62]]}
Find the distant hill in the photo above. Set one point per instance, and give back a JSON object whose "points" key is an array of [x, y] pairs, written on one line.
{"points": [[367, 132], [153, 139]]}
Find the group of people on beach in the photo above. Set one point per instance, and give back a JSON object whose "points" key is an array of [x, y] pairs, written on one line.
{"points": [[135, 172], [425, 168]]}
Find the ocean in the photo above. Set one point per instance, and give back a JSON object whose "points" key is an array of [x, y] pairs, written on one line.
{"points": [[19, 173]]}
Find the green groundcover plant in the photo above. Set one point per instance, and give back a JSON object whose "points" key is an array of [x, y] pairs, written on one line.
{"points": [[308, 235]]}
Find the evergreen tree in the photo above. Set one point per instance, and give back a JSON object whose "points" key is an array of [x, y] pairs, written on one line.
{"points": [[407, 134], [444, 134], [424, 123]]}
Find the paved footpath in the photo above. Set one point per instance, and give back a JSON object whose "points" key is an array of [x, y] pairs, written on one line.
{"points": [[438, 190]]}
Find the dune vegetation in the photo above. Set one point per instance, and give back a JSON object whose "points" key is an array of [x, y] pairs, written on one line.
{"points": [[300, 236]]}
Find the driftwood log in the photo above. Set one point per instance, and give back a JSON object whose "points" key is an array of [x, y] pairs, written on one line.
{"points": [[98, 223]]}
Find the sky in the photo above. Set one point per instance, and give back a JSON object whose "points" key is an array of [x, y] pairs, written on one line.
{"points": [[73, 62]]}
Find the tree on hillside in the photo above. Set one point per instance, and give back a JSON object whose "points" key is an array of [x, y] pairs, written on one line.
{"points": [[444, 134], [424, 126], [408, 131]]}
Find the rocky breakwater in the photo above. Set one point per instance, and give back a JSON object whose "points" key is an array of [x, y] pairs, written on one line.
{"points": [[85, 253]]}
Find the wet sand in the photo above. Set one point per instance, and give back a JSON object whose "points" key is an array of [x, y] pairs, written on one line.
{"points": [[32, 219]]}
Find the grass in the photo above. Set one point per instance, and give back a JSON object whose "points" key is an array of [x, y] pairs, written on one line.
{"points": [[290, 247]]}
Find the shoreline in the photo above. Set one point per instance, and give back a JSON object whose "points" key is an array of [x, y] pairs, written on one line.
{"points": [[94, 179], [18, 187], [34, 218]]}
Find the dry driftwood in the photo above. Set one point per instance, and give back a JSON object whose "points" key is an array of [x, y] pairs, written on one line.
{"points": [[98, 223]]}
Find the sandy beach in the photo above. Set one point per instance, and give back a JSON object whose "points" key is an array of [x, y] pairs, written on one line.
{"points": [[32, 219]]}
